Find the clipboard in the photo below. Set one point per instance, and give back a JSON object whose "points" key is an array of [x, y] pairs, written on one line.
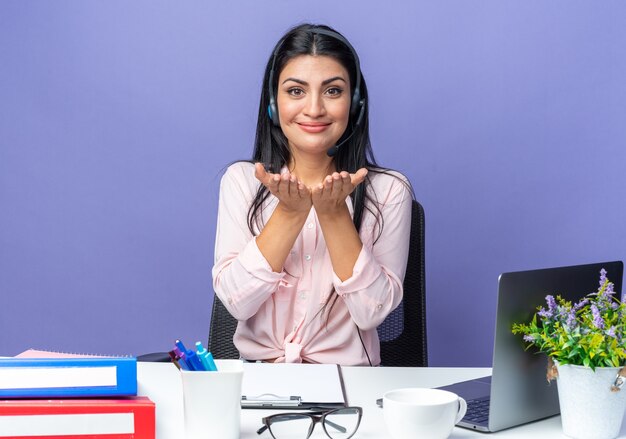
{"points": [[292, 386], [269, 400]]}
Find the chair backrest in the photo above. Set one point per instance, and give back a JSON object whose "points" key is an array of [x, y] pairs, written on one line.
{"points": [[402, 334], [221, 332]]}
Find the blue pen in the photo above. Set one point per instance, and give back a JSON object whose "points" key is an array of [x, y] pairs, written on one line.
{"points": [[194, 361], [182, 357], [181, 347], [188, 357], [201, 352], [206, 357], [209, 359], [184, 364]]}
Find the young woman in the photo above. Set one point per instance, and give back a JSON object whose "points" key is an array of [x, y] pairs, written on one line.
{"points": [[312, 235]]}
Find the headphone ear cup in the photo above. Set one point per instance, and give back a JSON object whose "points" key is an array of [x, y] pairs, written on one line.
{"points": [[356, 104], [272, 112], [361, 113]]}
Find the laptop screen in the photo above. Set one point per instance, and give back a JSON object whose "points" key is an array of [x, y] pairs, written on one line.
{"points": [[520, 392]]}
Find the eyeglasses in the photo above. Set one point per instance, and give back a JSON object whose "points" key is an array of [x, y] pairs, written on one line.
{"points": [[338, 424]]}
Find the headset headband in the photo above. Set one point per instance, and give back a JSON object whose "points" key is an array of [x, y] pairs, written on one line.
{"points": [[356, 104]]}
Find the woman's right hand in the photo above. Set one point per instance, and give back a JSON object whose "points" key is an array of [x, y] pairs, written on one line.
{"points": [[292, 194]]}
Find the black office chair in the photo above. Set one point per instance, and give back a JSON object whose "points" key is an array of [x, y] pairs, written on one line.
{"points": [[402, 334]]}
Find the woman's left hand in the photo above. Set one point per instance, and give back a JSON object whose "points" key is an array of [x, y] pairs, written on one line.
{"points": [[330, 195]]}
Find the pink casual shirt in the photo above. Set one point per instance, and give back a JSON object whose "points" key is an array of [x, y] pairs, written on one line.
{"points": [[280, 314]]}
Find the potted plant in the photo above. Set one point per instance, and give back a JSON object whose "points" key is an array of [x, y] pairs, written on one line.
{"points": [[586, 347]]}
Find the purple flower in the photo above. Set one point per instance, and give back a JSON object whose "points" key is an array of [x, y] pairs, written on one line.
{"points": [[602, 277], [548, 313], [609, 289], [614, 305], [601, 303], [529, 338], [597, 318], [580, 304], [611, 332], [545, 313], [571, 319]]}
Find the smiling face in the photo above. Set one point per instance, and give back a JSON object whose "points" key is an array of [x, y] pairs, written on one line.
{"points": [[313, 100]]}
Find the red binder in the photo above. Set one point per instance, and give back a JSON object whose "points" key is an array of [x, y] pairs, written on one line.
{"points": [[121, 418]]}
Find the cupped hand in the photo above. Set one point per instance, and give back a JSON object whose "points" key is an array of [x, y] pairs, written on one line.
{"points": [[292, 194], [330, 195]]}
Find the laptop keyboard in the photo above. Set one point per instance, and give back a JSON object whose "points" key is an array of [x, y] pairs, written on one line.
{"points": [[477, 410]]}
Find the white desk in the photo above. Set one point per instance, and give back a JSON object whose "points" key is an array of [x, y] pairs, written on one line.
{"points": [[363, 386]]}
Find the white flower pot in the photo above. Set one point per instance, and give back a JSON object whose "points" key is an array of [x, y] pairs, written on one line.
{"points": [[589, 410]]}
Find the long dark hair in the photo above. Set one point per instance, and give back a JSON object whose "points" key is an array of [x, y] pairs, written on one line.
{"points": [[271, 146]]}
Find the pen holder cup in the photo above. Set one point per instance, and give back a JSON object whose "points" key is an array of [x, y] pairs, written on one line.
{"points": [[212, 401]]}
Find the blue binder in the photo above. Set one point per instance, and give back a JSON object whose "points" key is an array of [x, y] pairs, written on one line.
{"points": [[68, 377]]}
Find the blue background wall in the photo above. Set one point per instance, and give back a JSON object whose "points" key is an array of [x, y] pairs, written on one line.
{"points": [[116, 118]]}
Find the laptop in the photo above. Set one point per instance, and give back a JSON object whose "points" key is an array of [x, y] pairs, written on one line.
{"points": [[517, 391]]}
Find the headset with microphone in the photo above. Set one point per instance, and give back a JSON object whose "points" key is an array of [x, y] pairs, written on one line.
{"points": [[357, 105]]}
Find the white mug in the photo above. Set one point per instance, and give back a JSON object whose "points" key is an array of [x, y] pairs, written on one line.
{"points": [[422, 413]]}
